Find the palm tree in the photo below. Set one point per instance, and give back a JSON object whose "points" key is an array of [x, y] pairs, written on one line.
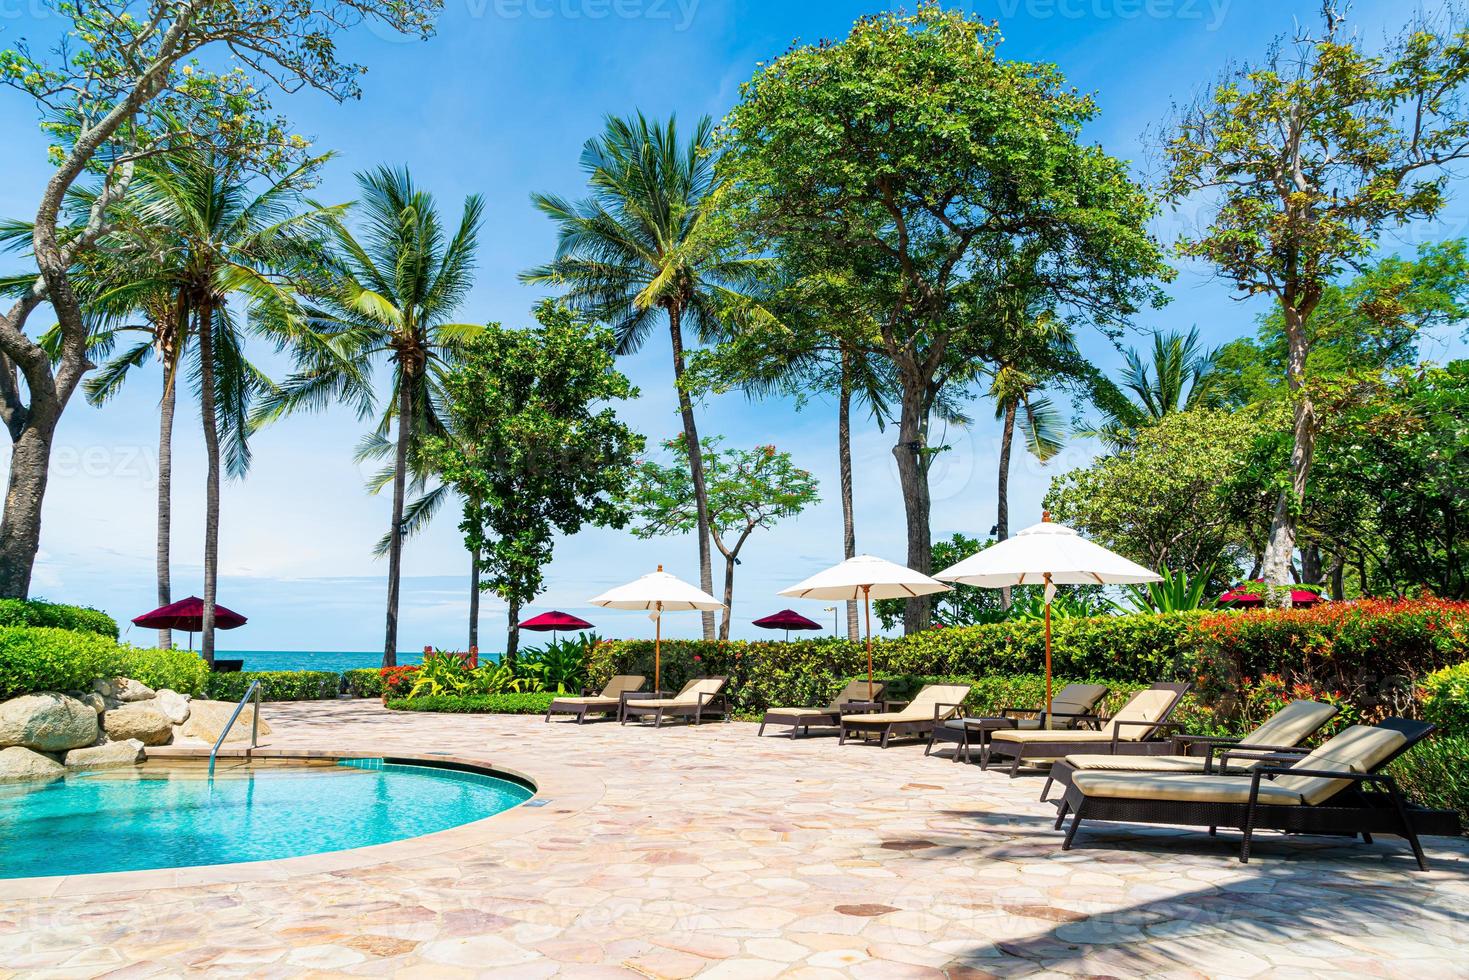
{"points": [[642, 245], [1181, 375], [386, 294], [192, 234]]}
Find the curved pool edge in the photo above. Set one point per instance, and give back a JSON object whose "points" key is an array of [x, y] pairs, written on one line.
{"points": [[560, 792]]}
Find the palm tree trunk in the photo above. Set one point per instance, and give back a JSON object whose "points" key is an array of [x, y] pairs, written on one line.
{"points": [[844, 467], [1002, 511], [474, 599], [165, 497], [395, 533], [696, 465], [211, 482]]}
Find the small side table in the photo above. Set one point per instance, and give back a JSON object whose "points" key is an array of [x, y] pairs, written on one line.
{"points": [[973, 731]]}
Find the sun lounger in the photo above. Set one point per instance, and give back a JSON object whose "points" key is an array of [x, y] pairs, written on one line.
{"points": [[1339, 788], [1073, 707], [609, 702], [801, 719], [1277, 739], [700, 697], [929, 707], [1134, 730]]}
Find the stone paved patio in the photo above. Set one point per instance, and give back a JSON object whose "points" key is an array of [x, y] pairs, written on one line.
{"points": [[706, 851]]}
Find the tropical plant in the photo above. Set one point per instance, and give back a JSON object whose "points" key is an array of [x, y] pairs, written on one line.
{"points": [[905, 159], [963, 605], [1070, 602], [1181, 375], [642, 245], [1178, 592], [195, 233], [748, 489], [1304, 159], [389, 293], [534, 446], [560, 665], [128, 83]]}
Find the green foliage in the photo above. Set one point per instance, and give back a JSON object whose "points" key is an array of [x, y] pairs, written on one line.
{"points": [[560, 666], [1182, 375], [526, 703], [38, 612], [1436, 774], [964, 605], [1178, 592], [362, 682], [275, 685], [1158, 501], [178, 670], [1445, 696], [535, 447], [45, 658]]}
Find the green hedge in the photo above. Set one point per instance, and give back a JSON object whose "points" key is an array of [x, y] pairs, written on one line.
{"points": [[275, 685], [363, 682], [44, 658], [478, 704], [1446, 699], [1436, 774], [39, 612], [178, 670]]}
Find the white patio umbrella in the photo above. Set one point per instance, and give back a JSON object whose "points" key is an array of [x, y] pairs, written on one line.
{"points": [[1046, 554], [865, 577], [658, 592]]}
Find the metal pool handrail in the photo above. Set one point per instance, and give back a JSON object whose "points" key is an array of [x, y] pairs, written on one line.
{"points": [[254, 727]]}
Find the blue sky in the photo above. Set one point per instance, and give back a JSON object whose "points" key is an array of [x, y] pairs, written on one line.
{"points": [[499, 103]]}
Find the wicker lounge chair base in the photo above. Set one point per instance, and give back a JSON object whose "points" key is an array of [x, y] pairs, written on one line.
{"points": [[800, 721], [715, 708], [1135, 729], [582, 708]]}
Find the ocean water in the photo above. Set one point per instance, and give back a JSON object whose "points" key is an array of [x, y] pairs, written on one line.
{"points": [[337, 661], [152, 818]]}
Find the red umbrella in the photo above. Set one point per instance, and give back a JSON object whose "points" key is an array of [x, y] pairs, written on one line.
{"points": [[188, 615], [1237, 596], [787, 619], [547, 622]]}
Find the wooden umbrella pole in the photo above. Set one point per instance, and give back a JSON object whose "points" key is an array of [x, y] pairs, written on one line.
{"points": [[658, 646], [1048, 651], [867, 605]]}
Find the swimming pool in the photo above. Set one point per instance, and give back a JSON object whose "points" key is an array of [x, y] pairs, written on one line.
{"points": [[171, 816]]}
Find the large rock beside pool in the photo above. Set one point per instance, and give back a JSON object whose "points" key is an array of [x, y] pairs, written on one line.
{"points": [[19, 764], [173, 705], [127, 690], [47, 722], [208, 718], [108, 755], [139, 720]]}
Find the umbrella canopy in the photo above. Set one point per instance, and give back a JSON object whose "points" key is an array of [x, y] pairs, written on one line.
{"points": [[188, 615], [787, 619], [1237, 596], [865, 577], [555, 620], [1047, 554], [659, 593]]}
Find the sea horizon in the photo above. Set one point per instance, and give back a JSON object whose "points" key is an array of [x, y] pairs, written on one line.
{"points": [[329, 660]]}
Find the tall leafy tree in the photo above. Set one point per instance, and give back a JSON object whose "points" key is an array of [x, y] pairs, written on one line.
{"points": [[901, 158], [118, 89], [387, 294], [1305, 158], [537, 448], [748, 489], [642, 247]]}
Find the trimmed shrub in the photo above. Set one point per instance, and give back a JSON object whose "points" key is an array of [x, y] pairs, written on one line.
{"points": [[478, 704], [44, 658], [1436, 774], [179, 670], [1372, 654], [275, 685], [1445, 696], [39, 612], [362, 682]]}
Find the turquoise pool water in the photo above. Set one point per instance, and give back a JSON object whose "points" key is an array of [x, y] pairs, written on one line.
{"points": [[158, 817]]}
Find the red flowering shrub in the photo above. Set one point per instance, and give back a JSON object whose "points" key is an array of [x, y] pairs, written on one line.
{"points": [[1370, 654], [397, 680]]}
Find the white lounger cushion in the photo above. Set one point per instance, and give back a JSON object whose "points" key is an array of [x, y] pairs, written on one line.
{"points": [[1145, 706], [708, 686], [612, 693], [921, 708]]}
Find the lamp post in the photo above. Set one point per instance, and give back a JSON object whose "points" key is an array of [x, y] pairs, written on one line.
{"points": [[833, 611]]}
